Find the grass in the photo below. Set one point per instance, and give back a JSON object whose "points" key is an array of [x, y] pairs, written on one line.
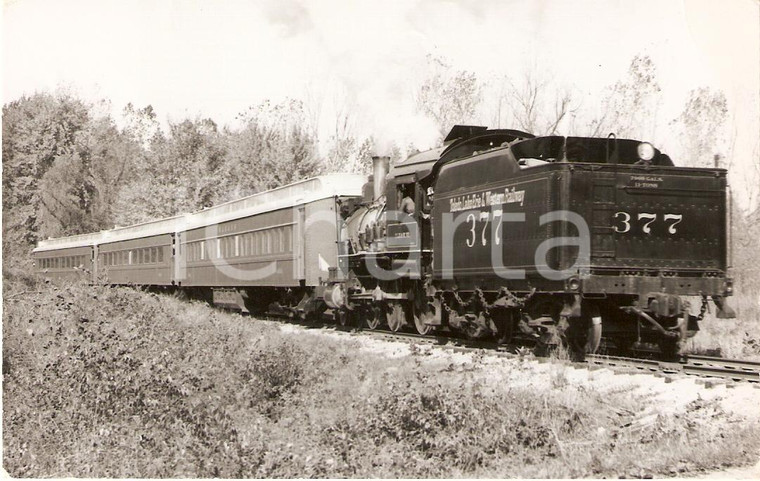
{"points": [[113, 382], [731, 338]]}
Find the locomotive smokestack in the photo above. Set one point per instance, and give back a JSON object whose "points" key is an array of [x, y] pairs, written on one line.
{"points": [[379, 171]]}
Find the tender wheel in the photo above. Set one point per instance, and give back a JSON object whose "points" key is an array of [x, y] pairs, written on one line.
{"points": [[583, 337], [625, 343], [541, 321], [506, 324], [671, 346], [374, 316], [396, 317], [593, 337]]}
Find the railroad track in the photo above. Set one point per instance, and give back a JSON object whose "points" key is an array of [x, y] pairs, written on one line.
{"points": [[727, 368], [690, 365], [700, 366]]}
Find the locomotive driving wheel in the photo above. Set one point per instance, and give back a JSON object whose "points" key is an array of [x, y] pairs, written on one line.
{"points": [[423, 318], [374, 316], [343, 317], [396, 317], [422, 328]]}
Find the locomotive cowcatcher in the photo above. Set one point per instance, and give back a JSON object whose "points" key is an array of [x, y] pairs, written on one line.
{"points": [[545, 239]]}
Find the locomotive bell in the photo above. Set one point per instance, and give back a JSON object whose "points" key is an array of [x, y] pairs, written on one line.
{"points": [[379, 171]]}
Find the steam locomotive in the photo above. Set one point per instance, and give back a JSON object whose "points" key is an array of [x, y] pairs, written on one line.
{"points": [[497, 234], [541, 238]]}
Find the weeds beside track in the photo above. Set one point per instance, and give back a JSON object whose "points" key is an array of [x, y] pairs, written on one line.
{"points": [[689, 365], [115, 382]]}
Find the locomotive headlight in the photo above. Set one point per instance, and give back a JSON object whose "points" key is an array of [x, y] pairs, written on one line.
{"points": [[573, 284], [645, 151], [729, 286]]}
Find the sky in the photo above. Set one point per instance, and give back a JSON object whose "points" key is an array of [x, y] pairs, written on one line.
{"points": [[214, 59]]}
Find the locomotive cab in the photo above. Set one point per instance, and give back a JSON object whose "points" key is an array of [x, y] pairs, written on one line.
{"points": [[404, 222]]}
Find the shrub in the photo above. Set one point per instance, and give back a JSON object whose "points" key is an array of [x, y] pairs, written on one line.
{"points": [[116, 382]]}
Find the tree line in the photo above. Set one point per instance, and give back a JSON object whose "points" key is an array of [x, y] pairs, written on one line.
{"points": [[69, 168]]}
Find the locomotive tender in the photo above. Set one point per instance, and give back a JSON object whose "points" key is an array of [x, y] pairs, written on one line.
{"points": [[495, 234]]}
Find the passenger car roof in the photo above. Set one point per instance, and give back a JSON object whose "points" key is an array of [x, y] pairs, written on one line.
{"points": [[309, 190]]}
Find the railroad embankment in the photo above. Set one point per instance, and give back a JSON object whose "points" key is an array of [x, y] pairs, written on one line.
{"points": [[115, 382]]}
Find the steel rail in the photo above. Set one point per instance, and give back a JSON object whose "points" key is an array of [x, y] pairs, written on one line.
{"points": [[722, 372], [702, 366], [690, 365], [730, 369], [719, 361]]}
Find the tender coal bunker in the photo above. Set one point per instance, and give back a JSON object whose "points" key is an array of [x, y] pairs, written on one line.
{"points": [[548, 149], [583, 149], [482, 143]]}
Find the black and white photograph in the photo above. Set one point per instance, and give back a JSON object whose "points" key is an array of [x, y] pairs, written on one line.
{"points": [[390, 239]]}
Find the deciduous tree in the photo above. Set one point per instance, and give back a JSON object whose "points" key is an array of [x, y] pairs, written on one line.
{"points": [[629, 108], [182, 172], [448, 96], [274, 147], [37, 129], [702, 128], [533, 104]]}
